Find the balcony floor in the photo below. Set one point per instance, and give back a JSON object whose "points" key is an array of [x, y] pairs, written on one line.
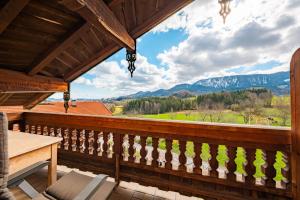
{"points": [[125, 191]]}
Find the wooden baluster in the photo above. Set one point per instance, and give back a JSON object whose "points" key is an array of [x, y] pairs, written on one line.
{"points": [[270, 171], [82, 146], [110, 145], [213, 162], [59, 134], [143, 150], [155, 152], [131, 150], [45, 131], [168, 153], [197, 160], [100, 143], [91, 141], [182, 158], [231, 166], [66, 139], [52, 132], [74, 140], [39, 130], [16, 127], [27, 128], [250, 168]]}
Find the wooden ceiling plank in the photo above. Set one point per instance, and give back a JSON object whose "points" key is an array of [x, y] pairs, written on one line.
{"points": [[36, 100], [101, 17], [18, 82], [56, 49], [10, 11]]}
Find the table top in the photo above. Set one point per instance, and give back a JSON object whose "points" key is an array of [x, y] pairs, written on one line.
{"points": [[20, 143]]}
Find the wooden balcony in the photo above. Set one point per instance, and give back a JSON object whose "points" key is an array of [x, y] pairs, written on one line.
{"points": [[212, 161]]}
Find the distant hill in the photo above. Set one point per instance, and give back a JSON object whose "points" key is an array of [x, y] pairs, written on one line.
{"points": [[278, 83]]}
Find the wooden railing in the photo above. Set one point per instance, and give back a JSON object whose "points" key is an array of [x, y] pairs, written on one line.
{"points": [[213, 161]]}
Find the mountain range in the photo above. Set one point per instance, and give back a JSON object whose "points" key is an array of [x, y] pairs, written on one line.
{"points": [[278, 83]]}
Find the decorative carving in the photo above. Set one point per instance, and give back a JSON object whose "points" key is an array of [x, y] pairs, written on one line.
{"points": [[66, 139], [137, 149], [110, 145], [27, 128], [91, 141], [39, 130], [74, 140], [82, 141], [100, 142], [125, 146], [45, 131], [281, 167], [32, 130], [16, 127], [60, 136], [52, 132]]}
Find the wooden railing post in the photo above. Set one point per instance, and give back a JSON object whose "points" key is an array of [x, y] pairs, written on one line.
{"points": [[117, 150], [295, 122]]}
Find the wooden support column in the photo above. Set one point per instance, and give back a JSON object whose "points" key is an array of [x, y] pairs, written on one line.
{"points": [[295, 108]]}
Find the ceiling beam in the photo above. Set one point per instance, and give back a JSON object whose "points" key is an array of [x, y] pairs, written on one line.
{"points": [[10, 11], [18, 82], [98, 14], [156, 19], [43, 60]]}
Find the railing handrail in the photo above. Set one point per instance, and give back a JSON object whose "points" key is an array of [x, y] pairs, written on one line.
{"points": [[163, 128]]}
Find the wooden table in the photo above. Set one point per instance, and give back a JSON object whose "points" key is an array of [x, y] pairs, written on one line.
{"points": [[26, 149]]}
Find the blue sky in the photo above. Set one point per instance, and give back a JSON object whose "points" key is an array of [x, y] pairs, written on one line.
{"points": [[258, 37]]}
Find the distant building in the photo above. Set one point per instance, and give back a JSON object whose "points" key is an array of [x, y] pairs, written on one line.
{"points": [[76, 107]]}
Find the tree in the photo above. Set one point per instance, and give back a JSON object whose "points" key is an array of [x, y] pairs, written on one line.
{"points": [[284, 109]]}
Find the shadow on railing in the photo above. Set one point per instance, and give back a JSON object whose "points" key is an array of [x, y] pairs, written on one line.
{"points": [[213, 161]]}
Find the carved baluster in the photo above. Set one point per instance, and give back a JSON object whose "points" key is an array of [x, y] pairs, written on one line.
{"points": [[169, 153], [143, 150], [131, 150], [190, 155], [66, 139], [39, 130], [241, 162], [270, 170], [32, 130], [222, 159], [231, 163], [74, 140], [27, 128], [260, 167], [213, 161], [137, 149], [110, 145], [250, 168], [155, 151], [60, 136], [125, 147], [175, 155], [182, 158], [45, 131], [197, 157], [52, 132], [149, 149], [205, 158], [281, 168], [82, 141], [16, 127], [91, 141], [100, 142]]}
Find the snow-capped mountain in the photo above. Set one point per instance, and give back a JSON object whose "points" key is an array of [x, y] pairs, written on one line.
{"points": [[278, 83]]}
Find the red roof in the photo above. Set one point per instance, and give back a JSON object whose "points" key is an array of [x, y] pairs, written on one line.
{"points": [[82, 107]]}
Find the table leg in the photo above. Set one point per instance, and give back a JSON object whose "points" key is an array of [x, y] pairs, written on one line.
{"points": [[52, 169]]}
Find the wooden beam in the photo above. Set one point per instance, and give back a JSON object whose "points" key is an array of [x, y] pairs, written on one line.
{"points": [[14, 82], [36, 100], [42, 61], [295, 123], [157, 18], [101, 17], [10, 11]]}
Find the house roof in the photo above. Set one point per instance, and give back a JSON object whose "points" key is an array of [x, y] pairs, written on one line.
{"points": [[82, 107], [44, 45]]}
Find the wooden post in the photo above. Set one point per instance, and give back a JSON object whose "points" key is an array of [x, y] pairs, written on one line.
{"points": [[295, 118]]}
